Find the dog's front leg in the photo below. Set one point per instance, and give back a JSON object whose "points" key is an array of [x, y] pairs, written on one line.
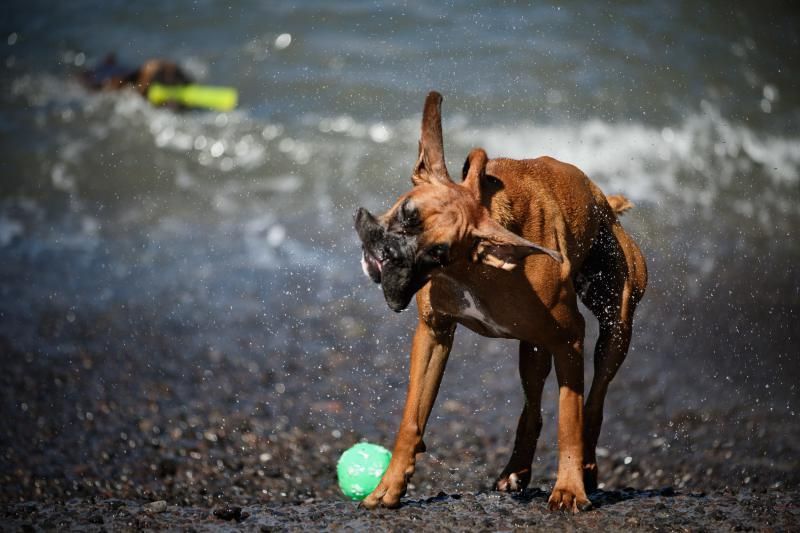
{"points": [[569, 492], [429, 352]]}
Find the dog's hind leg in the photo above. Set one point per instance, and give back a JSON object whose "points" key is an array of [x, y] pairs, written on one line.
{"points": [[610, 351], [616, 277], [534, 367]]}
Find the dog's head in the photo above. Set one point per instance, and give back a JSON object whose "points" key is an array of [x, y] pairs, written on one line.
{"points": [[435, 224]]}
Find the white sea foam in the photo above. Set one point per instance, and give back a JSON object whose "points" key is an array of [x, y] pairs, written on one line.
{"points": [[233, 195], [237, 164], [645, 162]]}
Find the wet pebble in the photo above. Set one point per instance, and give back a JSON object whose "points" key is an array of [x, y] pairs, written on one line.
{"points": [[219, 443], [229, 512], [156, 507]]}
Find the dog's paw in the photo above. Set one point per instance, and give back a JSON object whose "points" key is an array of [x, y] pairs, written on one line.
{"points": [[386, 494], [513, 481], [564, 498]]}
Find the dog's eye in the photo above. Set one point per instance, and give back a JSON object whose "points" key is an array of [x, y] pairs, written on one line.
{"points": [[408, 209], [408, 216]]}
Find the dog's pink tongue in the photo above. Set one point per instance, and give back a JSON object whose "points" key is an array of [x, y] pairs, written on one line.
{"points": [[372, 261]]}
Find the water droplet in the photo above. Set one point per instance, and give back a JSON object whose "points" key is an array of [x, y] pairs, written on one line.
{"points": [[283, 41]]}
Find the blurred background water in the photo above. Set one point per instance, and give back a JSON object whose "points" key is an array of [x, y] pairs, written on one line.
{"points": [[232, 233]]}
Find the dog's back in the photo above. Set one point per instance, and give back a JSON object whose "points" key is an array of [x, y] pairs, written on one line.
{"points": [[523, 194]]}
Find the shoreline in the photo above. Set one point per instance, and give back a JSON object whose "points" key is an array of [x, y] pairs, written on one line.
{"points": [[614, 511]]}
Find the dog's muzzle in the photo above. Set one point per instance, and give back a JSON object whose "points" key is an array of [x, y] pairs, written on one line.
{"points": [[371, 266], [387, 258], [371, 234]]}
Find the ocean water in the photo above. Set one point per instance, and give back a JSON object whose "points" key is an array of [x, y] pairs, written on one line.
{"points": [[236, 229]]}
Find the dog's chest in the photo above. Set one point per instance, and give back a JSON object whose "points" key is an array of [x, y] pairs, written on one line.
{"points": [[464, 304]]}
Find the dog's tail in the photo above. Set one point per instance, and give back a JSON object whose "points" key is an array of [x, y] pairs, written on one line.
{"points": [[619, 203]]}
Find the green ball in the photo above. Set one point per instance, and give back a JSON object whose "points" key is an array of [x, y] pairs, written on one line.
{"points": [[361, 468]]}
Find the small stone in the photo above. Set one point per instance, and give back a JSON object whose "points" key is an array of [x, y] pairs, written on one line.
{"points": [[228, 512], [156, 507], [115, 504]]}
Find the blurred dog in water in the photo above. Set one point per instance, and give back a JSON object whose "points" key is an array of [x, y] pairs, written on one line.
{"points": [[507, 253], [109, 75]]}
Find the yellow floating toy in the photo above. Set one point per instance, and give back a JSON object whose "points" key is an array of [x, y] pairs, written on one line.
{"points": [[205, 96]]}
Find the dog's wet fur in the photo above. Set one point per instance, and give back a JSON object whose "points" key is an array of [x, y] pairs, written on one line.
{"points": [[110, 75], [507, 253]]}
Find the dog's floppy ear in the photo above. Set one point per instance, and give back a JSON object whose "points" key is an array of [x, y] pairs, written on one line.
{"points": [[500, 248], [474, 167], [430, 167]]}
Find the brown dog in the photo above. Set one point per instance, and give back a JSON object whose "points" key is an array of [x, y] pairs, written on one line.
{"points": [[109, 75], [507, 253]]}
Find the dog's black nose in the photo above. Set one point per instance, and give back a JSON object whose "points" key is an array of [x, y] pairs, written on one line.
{"points": [[358, 215], [362, 216], [368, 228]]}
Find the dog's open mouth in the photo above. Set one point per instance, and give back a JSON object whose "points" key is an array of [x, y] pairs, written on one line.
{"points": [[371, 266]]}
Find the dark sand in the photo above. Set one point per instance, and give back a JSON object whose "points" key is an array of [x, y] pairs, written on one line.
{"points": [[90, 441], [482, 511]]}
